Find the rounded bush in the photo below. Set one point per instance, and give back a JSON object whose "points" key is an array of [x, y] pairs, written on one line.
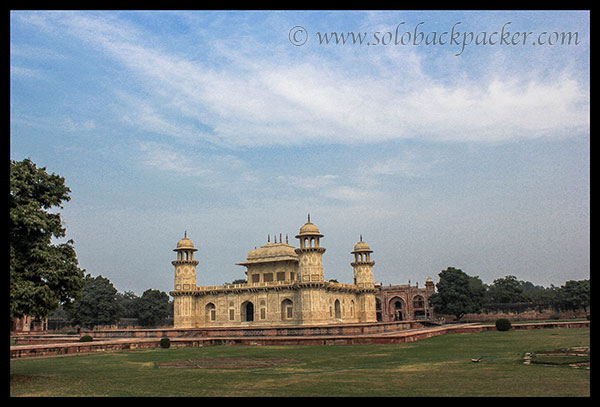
{"points": [[86, 338], [165, 343], [503, 324]]}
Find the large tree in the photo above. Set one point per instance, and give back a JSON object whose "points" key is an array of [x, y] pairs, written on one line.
{"points": [[127, 304], [457, 293], [42, 274], [98, 304], [152, 307], [575, 294], [506, 290]]}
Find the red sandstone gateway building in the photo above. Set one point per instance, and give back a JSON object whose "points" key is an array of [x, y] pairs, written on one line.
{"points": [[404, 302]]}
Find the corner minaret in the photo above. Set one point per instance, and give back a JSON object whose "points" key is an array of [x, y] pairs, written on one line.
{"points": [[362, 265], [185, 284], [310, 254], [185, 265], [363, 280]]}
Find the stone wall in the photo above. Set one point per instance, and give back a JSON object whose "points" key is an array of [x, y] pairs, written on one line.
{"points": [[297, 330], [401, 336], [531, 315]]}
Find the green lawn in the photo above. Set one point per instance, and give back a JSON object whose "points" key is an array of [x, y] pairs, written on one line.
{"points": [[439, 366]]}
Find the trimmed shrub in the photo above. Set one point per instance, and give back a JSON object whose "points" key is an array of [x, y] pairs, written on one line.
{"points": [[86, 338], [503, 324], [165, 343]]}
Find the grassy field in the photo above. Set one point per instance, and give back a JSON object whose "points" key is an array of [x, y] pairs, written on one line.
{"points": [[439, 366]]}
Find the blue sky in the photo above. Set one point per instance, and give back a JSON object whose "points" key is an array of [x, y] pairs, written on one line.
{"points": [[215, 123]]}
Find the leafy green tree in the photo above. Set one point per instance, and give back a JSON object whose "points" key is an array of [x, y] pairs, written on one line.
{"points": [[238, 281], [98, 304], [478, 292], [534, 293], [506, 290], [153, 307], [541, 296], [457, 293], [42, 275], [575, 294], [127, 304]]}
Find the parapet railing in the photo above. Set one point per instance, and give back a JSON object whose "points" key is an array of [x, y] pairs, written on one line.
{"points": [[245, 285], [284, 283]]}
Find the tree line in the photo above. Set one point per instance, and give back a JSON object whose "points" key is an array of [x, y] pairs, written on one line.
{"points": [[101, 304], [459, 294]]}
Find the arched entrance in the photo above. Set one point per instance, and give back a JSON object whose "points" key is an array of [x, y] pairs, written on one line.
{"points": [[247, 311], [396, 309], [287, 309], [338, 310]]}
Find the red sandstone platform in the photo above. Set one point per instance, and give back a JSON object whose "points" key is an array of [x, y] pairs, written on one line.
{"points": [[197, 338]]}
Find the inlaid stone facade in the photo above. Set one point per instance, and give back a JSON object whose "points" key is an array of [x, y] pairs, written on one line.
{"points": [[285, 286]]}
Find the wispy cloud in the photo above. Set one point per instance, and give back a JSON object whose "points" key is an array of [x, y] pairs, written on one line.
{"points": [[349, 188], [174, 159], [261, 99], [312, 182], [19, 71], [163, 157], [408, 164]]}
